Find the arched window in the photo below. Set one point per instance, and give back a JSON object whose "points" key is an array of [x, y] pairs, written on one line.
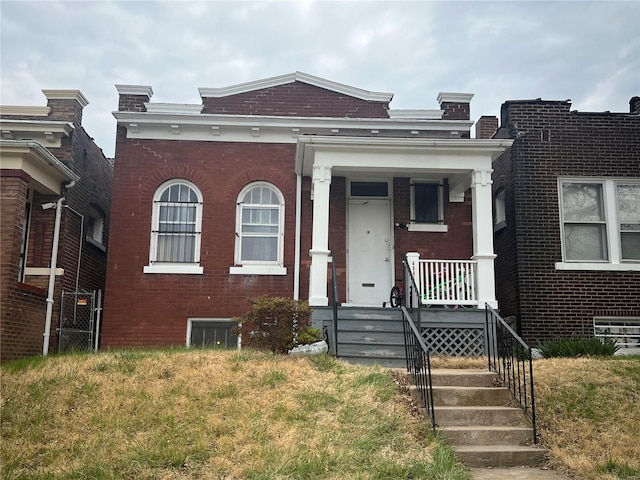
{"points": [[260, 226], [175, 229]]}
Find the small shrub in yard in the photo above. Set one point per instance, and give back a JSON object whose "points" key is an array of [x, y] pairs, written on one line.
{"points": [[578, 347], [277, 324]]}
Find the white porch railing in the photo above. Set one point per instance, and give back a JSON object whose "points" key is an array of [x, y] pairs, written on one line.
{"points": [[447, 282]]}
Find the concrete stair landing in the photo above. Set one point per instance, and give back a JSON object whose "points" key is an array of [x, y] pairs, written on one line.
{"points": [[478, 419]]}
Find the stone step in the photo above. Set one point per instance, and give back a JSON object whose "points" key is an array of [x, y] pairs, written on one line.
{"points": [[487, 435], [467, 396], [479, 416], [463, 377], [500, 455]]}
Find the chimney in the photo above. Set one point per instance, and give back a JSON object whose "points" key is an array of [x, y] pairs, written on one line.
{"points": [[133, 97], [455, 105], [634, 105], [66, 105], [486, 126]]}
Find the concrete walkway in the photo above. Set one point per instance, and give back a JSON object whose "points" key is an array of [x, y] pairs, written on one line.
{"points": [[522, 473]]}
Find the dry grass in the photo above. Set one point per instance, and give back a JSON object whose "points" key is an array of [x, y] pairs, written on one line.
{"points": [[589, 415], [211, 415]]}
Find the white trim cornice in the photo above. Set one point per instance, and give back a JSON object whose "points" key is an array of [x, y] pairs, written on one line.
{"points": [[454, 97], [66, 95], [26, 110], [416, 114], [272, 129], [174, 108], [49, 132], [296, 77], [135, 90]]}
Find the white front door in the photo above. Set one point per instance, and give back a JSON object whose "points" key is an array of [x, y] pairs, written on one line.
{"points": [[370, 250]]}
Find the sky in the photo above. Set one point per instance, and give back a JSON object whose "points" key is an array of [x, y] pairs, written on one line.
{"points": [[586, 51]]}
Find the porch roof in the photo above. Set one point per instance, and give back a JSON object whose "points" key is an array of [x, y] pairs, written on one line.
{"points": [[406, 156]]}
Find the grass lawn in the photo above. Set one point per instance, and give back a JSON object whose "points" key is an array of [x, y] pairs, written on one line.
{"points": [[178, 414]]}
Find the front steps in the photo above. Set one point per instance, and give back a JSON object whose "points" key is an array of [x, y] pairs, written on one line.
{"points": [[476, 417]]}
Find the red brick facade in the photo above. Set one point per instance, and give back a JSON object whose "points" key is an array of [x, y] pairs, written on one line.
{"points": [[153, 309], [550, 142]]}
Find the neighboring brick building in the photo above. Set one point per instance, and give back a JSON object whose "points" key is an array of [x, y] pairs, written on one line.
{"points": [[45, 155], [247, 192], [567, 220]]}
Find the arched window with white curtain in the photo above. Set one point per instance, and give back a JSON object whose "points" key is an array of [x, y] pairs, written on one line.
{"points": [[176, 228], [260, 228]]}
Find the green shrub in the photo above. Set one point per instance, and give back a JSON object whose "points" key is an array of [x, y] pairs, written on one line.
{"points": [[277, 324], [577, 347]]}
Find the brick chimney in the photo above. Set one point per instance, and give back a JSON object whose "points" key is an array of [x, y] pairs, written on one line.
{"points": [[455, 105], [133, 97], [66, 105], [486, 126], [634, 105]]}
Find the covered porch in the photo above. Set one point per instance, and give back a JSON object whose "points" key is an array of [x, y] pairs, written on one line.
{"points": [[451, 245]]}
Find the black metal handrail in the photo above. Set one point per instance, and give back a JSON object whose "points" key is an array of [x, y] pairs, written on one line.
{"points": [[334, 302], [510, 357], [418, 364], [416, 350]]}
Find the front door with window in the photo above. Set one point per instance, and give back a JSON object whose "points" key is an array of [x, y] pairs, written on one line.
{"points": [[370, 251]]}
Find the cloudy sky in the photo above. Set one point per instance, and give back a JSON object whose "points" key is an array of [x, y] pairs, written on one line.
{"points": [[498, 50]]}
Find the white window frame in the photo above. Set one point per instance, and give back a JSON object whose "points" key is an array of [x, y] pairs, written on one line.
{"points": [[193, 268], [191, 321], [427, 227], [614, 248], [256, 267]]}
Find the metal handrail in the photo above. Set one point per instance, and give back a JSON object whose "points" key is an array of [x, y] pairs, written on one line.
{"points": [[416, 350], [418, 364], [510, 357], [334, 303]]}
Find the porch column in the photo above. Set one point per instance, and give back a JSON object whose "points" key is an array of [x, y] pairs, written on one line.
{"points": [[482, 200], [320, 241]]}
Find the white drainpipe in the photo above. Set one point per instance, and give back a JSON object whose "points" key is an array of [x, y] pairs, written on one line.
{"points": [[296, 267], [52, 277]]}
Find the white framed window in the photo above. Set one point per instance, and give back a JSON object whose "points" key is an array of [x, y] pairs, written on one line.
{"points": [[259, 231], [176, 225], [600, 223], [427, 208], [95, 227]]}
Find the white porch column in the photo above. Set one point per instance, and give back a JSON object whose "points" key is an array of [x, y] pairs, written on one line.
{"points": [[483, 253], [320, 240], [413, 263]]}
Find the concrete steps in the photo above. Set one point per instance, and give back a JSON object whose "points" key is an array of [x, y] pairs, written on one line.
{"points": [[478, 419]]}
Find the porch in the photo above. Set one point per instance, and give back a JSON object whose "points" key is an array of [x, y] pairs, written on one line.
{"points": [[443, 297]]}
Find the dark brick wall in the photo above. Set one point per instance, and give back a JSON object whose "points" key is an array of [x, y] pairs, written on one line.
{"points": [[550, 141], [486, 126], [295, 99]]}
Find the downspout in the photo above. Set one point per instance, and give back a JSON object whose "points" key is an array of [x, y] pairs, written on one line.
{"points": [[296, 267], [52, 277]]}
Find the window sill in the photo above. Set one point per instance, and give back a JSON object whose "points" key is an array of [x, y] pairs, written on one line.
{"points": [[427, 227], [499, 226], [586, 266], [258, 270], [175, 268], [96, 244]]}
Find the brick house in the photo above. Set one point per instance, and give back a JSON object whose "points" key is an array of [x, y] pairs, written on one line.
{"points": [[47, 159], [567, 220], [247, 193]]}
